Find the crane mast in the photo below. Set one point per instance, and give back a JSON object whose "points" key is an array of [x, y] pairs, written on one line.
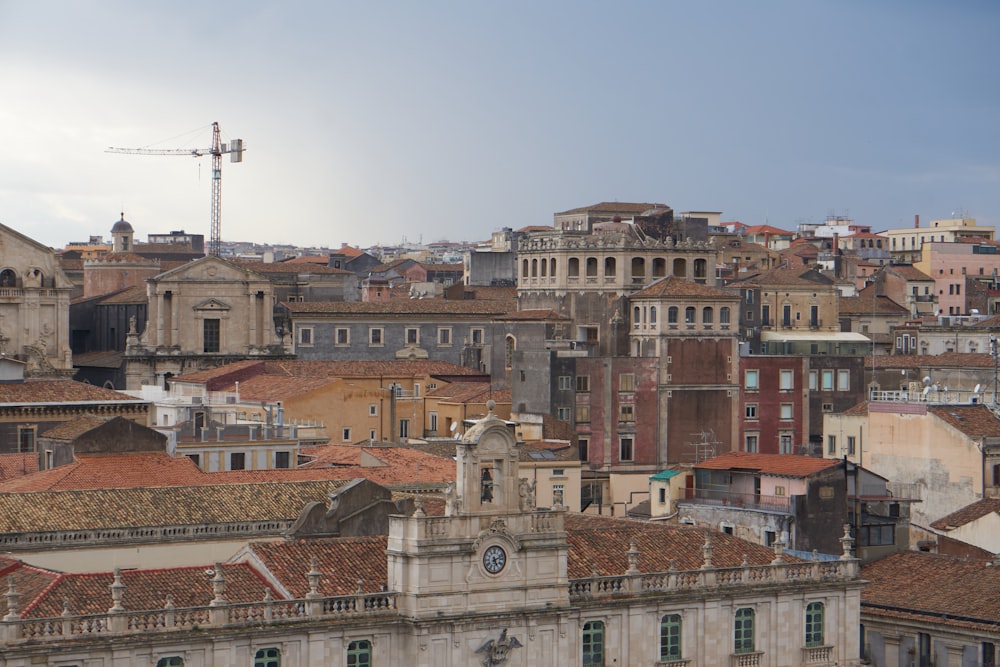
{"points": [[234, 149]]}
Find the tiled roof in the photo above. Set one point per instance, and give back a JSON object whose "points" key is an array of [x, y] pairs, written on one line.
{"points": [[943, 590], [74, 428], [16, 465], [788, 277], [48, 511], [106, 359], [122, 258], [968, 514], [112, 471], [615, 207], [278, 388], [859, 410], [542, 451], [224, 376], [29, 581], [976, 421], [388, 466], [429, 306], [863, 305], [765, 229], [58, 391], [601, 543], [788, 465], [471, 392], [533, 314], [343, 561], [129, 295], [943, 360], [307, 259], [908, 272], [674, 287], [292, 267], [148, 589]]}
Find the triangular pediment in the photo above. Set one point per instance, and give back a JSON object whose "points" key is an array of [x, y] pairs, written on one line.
{"points": [[212, 304], [209, 269]]}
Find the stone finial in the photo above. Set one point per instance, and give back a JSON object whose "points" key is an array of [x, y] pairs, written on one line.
{"points": [[267, 595], [815, 554], [418, 504], [361, 586], [313, 575], [169, 603], [779, 552], [746, 561], [706, 551], [491, 406], [594, 572], [218, 587], [848, 543], [671, 565], [12, 597], [66, 612], [633, 557], [117, 592]]}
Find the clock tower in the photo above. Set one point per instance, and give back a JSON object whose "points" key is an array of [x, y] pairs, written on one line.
{"points": [[493, 551]]}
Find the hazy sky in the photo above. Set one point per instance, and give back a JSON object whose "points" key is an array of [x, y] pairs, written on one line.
{"points": [[370, 122]]}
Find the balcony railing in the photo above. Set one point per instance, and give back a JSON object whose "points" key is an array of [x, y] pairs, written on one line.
{"points": [[817, 655], [753, 501], [746, 659]]}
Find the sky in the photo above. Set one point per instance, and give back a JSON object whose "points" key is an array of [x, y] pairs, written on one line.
{"points": [[376, 122]]}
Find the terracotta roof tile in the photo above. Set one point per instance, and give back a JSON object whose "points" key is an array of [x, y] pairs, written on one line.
{"points": [[343, 561], [292, 267], [615, 207], [789, 465], [225, 376], [129, 295], [932, 584], [943, 360], [58, 391], [148, 589], [968, 514], [976, 421], [388, 466], [112, 471], [13, 466], [674, 287], [428, 306], [862, 305], [908, 272]]}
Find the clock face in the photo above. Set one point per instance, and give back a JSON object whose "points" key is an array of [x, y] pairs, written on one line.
{"points": [[494, 559]]}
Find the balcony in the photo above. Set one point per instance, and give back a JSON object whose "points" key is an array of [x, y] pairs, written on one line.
{"points": [[754, 659], [817, 655], [750, 501]]}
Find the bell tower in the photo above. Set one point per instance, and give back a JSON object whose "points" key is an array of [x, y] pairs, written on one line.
{"points": [[493, 551]]}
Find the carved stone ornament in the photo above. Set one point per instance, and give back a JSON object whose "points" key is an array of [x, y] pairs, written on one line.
{"points": [[498, 528], [497, 650]]}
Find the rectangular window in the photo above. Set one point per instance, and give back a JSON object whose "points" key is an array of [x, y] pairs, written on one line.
{"points": [[814, 624], [625, 452], [563, 414], [626, 413], [626, 382], [751, 382], [342, 336], [25, 438], [989, 654], [813, 380], [786, 381], [850, 445], [375, 336], [582, 414], [210, 331], [171, 661], [583, 448], [583, 384], [345, 434], [779, 491], [267, 657], [786, 411], [785, 443], [195, 458], [565, 383], [444, 336], [843, 380], [831, 444], [476, 336], [359, 653], [282, 460], [373, 409], [827, 380], [750, 443], [765, 315], [557, 495], [670, 634], [743, 631], [593, 644], [306, 336], [412, 336], [662, 495], [237, 461], [432, 422], [751, 411], [404, 428]]}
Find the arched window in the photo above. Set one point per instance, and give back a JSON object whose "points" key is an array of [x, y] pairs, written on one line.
{"points": [[706, 316], [814, 624], [610, 267], [743, 631], [635, 317], [593, 644], [591, 267], [524, 269], [689, 315], [510, 344], [670, 637], [680, 268], [534, 268], [552, 267], [672, 315], [724, 315], [359, 653], [545, 268], [659, 267], [652, 314], [573, 268], [8, 278], [638, 267]]}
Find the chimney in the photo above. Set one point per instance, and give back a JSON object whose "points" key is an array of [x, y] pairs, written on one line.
{"points": [[916, 222]]}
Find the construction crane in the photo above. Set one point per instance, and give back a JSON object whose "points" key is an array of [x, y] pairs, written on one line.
{"points": [[235, 150]]}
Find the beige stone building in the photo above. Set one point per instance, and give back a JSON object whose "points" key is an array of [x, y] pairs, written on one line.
{"points": [[34, 305], [201, 315]]}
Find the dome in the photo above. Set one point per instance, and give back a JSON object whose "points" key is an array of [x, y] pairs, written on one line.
{"points": [[122, 226]]}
